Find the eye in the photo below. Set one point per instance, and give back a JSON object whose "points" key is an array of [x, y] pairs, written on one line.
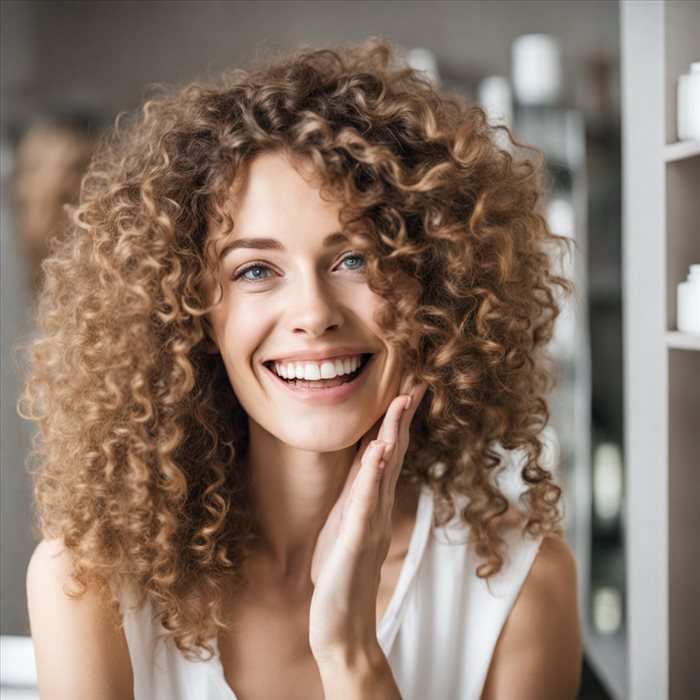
{"points": [[252, 273], [357, 261]]}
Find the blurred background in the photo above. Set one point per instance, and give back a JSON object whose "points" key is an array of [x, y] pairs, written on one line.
{"points": [[550, 70]]}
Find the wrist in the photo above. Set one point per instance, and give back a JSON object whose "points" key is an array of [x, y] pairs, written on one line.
{"points": [[362, 673]]}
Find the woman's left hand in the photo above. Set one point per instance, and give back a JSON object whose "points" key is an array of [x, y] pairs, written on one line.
{"points": [[355, 539]]}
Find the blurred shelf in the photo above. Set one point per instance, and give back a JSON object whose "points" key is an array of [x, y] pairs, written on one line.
{"points": [[681, 150], [607, 655], [662, 388], [682, 341]]}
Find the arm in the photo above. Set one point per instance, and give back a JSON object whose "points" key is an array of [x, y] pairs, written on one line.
{"points": [[367, 676], [80, 650], [538, 654]]}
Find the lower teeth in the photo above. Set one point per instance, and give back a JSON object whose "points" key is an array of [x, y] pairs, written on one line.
{"points": [[324, 383]]}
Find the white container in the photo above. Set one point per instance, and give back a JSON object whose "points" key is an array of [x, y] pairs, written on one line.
{"points": [[689, 104], [688, 306], [495, 96], [425, 61], [536, 69]]}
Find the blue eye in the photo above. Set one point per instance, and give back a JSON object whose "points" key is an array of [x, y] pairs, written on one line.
{"points": [[355, 257], [257, 277]]}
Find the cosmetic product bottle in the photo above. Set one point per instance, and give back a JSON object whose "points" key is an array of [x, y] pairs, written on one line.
{"points": [[536, 69], [689, 104], [688, 302]]}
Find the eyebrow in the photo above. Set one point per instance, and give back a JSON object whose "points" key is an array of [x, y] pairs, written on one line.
{"points": [[329, 241]]}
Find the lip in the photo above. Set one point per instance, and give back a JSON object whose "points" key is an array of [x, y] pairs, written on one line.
{"points": [[328, 395], [320, 355]]}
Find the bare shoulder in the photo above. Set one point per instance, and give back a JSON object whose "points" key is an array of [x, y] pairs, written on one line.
{"points": [[553, 571], [49, 565], [79, 645], [538, 654]]}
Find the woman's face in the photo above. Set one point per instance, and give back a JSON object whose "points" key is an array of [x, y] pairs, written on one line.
{"points": [[296, 303]]}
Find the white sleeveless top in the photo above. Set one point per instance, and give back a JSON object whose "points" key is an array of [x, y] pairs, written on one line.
{"points": [[438, 632]]}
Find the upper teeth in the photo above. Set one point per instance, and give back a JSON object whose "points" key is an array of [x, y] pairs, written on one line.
{"points": [[328, 369]]}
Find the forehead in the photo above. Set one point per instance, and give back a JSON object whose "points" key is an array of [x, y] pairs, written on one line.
{"points": [[274, 186]]}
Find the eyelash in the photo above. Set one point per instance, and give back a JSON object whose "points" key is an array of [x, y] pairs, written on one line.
{"points": [[238, 275], [254, 266]]}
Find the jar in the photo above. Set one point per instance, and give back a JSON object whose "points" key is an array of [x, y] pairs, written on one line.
{"points": [[688, 307], [689, 104]]}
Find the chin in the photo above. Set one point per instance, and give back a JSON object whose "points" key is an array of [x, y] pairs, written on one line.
{"points": [[318, 441]]}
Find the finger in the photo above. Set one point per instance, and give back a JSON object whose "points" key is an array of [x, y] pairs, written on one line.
{"points": [[417, 393], [415, 390], [389, 433], [393, 454], [365, 443], [389, 439], [403, 436], [407, 383], [364, 496], [389, 430]]}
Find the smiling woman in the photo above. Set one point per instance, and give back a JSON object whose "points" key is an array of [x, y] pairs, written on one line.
{"points": [[287, 353]]}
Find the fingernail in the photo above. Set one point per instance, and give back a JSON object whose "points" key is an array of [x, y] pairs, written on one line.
{"points": [[408, 403]]}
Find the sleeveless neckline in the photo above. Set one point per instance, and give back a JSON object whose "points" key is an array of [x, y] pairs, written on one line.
{"points": [[438, 631], [391, 619]]}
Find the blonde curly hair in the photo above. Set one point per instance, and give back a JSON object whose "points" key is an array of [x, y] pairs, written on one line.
{"points": [[141, 436]]}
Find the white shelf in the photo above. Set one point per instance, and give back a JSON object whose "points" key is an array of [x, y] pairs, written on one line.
{"points": [[681, 150], [682, 341], [660, 210]]}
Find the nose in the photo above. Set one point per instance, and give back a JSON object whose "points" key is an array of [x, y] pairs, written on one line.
{"points": [[313, 310]]}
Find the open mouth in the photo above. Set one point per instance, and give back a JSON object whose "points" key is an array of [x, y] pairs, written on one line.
{"points": [[320, 375]]}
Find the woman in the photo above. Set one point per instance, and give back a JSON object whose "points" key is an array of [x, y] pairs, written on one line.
{"points": [[269, 283]]}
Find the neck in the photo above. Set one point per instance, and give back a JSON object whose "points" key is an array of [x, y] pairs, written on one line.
{"points": [[292, 493]]}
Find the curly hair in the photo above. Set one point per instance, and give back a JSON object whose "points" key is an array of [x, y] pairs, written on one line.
{"points": [[135, 463]]}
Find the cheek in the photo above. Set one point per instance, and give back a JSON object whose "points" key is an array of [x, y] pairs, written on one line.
{"points": [[370, 307], [239, 330]]}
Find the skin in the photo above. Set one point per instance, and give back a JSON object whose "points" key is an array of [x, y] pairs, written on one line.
{"points": [[323, 508]]}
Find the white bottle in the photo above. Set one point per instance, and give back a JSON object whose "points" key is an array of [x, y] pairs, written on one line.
{"points": [[689, 104], [688, 308], [536, 69], [495, 97]]}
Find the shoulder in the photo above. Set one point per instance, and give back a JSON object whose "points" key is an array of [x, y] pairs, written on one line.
{"points": [[538, 654], [49, 563], [553, 572], [79, 646]]}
